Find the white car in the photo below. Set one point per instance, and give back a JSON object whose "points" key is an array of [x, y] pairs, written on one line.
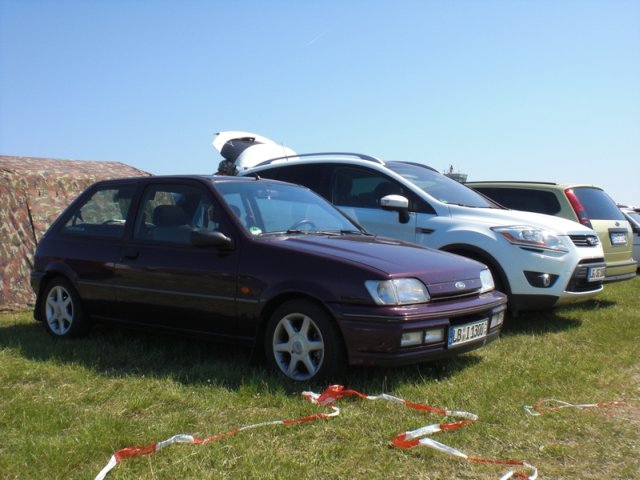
{"points": [[633, 217], [539, 261]]}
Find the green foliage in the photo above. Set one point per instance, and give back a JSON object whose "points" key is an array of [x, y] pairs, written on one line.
{"points": [[67, 406]]}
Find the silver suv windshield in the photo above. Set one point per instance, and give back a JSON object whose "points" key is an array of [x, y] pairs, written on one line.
{"points": [[438, 185]]}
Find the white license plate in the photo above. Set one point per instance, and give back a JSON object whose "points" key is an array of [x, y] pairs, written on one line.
{"points": [[596, 274], [618, 238], [461, 334]]}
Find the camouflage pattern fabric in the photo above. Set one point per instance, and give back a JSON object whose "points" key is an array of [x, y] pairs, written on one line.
{"points": [[33, 192]]}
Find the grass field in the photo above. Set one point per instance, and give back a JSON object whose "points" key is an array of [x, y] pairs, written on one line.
{"points": [[67, 406]]}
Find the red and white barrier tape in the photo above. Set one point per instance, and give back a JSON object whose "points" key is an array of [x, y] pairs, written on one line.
{"points": [[540, 408], [414, 438], [131, 452], [328, 398]]}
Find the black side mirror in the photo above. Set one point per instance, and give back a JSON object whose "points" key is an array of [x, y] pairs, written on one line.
{"points": [[206, 238]]}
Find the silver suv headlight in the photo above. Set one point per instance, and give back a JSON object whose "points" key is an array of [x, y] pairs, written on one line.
{"points": [[527, 236], [398, 291], [487, 281]]}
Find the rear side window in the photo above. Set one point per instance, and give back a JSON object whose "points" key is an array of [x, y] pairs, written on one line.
{"points": [[308, 175], [538, 201], [597, 204], [103, 214]]}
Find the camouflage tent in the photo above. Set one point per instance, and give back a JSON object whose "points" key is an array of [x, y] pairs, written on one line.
{"points": [[33, 192]]}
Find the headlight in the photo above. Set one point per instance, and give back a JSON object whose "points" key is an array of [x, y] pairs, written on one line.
{"points": [[399, 291], [533, 237], [487, 281]]}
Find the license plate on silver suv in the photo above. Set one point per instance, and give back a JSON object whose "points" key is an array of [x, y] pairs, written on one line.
{"points": [[469, 332], [596, 274]]}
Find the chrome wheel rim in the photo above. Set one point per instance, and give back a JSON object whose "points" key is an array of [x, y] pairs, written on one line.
{"points": [[59, 310], [298, 346]]}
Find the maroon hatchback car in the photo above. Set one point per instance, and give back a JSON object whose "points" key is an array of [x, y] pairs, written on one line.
{"points": [[259, 261]]}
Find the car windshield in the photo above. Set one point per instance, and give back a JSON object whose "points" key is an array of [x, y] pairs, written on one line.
{"points": [[271, 208], [439, 186]]}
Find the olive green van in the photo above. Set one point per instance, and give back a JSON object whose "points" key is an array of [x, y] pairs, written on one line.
{"points": [[587, 204]]}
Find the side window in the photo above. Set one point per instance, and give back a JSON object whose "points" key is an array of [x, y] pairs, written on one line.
{"points": [[524, 199], [170, 212], [103, 214], [359, 187], [309, 175]]}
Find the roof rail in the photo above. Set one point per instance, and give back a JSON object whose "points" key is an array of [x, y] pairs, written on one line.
{"points": [[360, 156]]}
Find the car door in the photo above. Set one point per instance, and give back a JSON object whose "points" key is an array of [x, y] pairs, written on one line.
{"points": [[357, 192], [162, 279]]}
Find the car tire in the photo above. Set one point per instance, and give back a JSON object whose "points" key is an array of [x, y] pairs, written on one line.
{"points": [[62, 310], [302, 342]]}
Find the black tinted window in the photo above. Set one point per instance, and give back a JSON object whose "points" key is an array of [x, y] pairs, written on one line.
{"points": [[308, 175], [103, 214], [523, 199], [597, 204]]}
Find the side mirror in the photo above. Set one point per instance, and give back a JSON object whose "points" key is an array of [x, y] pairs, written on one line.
{"points": [[206, 238], [396, 203]]}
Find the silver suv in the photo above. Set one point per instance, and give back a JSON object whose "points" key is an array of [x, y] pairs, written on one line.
{"points": [[539, 261], [586, 204]]}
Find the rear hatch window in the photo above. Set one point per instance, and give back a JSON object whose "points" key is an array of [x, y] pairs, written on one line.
{"points": [[597, 204]]}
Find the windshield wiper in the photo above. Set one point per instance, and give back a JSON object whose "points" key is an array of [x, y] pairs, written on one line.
{"points": [[298, 231], [290, 231], [340, 232]]}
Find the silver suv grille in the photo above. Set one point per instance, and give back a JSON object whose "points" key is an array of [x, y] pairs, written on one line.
{"points": [[585, 240]]}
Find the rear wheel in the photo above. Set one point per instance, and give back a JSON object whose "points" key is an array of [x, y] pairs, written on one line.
{"points": [[62, 310], [302, 342]]}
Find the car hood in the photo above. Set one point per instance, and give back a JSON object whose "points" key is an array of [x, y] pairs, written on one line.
{"points": [[442, 272], [498, 218]]}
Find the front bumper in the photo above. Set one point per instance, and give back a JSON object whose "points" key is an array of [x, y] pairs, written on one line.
{"points": [[621, 271], [373, 335], [575, 288]]}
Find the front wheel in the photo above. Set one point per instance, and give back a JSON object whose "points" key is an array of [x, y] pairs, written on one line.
{"points": [[302, 342], [62, 310]]}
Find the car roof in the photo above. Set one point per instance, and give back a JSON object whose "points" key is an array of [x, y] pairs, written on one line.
{"points": [[209, 178], [346, 157], [311, 157], [525, 183]]}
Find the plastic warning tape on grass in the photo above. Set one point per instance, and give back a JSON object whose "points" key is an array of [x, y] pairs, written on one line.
{"points": [[551, 405], [416, 438], [132, 452], [328, 398]]}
